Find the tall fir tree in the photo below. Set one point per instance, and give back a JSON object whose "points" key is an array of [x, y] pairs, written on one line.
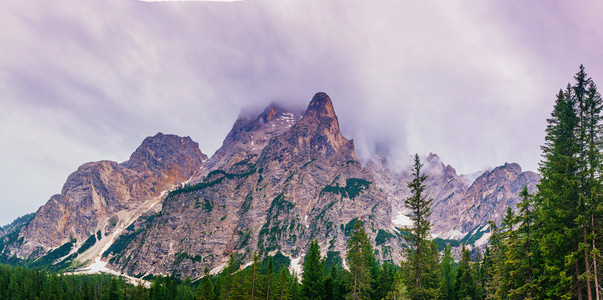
{"points": [[448, 274], [359, 251], [281, 291], [205, 290], [421, 266], [568, 197], [558, 197], [465, 278], [312, 276], [269, 277]]}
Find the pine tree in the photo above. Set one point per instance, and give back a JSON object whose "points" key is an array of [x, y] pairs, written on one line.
{"points": [[225, 280], [253, 275], [281, 291], [312, 276], [359, 251], [465, 278], [269, 277], [398, 290], [593, 147], [448, 272], [520, 251], [206, 287], [566, 205], [558, 197], [421, 265]]}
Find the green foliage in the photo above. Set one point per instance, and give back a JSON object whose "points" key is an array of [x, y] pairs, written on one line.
{"points": [[421, 267], [279, 261], [50, 258], [359, 257], [181, 256], [333, 259], [465, 278], [441, 243], [382, 237], [25, 283], [353, 187], [87, 244], [121, 243], [312, 277], [349, 227], [448, 275]]}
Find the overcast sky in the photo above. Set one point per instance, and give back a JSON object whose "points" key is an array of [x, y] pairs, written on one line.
{"points": [[472, 81]]}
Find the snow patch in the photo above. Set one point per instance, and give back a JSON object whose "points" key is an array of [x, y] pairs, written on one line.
{"points": [[453, 235], [217, 269], [247, 265], [402, 220], [306, 221], [483, 240], [296, 266]]}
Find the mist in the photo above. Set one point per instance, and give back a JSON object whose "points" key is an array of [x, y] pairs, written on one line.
{"points": [[472, 82]]}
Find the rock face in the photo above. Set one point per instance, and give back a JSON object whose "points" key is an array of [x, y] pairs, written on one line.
{"points": [[279, 180], [306, 183], [98, 194], [249, 136], [490, 195], [460, 204]]}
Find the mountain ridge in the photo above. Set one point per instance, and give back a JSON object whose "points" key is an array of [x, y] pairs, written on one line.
{"points": [[279, 179]]}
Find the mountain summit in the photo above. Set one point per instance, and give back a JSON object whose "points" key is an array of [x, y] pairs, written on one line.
{"points": [[280, 179]]}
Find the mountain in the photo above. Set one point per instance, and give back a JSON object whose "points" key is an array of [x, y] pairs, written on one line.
{"points": [[99, 196], [306, 183], [462, 204], [279, 180]]}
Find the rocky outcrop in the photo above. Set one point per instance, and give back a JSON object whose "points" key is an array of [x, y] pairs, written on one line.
{"points": [[249, 135], [306, 183], [460, 204], [279, 180], [98, 194], [491, 194]]}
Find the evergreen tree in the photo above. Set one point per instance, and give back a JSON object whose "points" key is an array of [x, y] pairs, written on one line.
{"points": [[398, 290], [566, 205], [269, 276], [206, 287], [465, 278], [330, 284], [312, 276], [225, 280], [113, 291], [558, 197], [281, 291], [421, 264], [448, 272], [253, 275], [359, 251], [520, 251]]}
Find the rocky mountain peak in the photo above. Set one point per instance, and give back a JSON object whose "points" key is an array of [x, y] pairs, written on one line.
{"points": [[510, 167], [318, 131], [162, 150], [321, 106]]}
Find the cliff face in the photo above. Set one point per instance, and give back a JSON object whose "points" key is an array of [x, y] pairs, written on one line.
{"points": [[99, 195], [305, 183], [460, 204], [280, 179]]}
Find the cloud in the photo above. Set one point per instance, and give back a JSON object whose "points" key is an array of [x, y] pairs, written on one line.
{"points": [[473, 82]]}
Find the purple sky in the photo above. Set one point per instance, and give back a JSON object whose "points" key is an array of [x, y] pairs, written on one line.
{"points": [[472, 81]]}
